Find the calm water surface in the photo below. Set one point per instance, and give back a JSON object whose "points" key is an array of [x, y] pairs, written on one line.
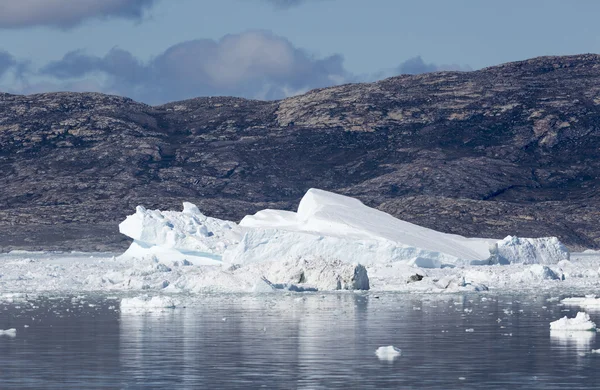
{"points": [[309, 341]]}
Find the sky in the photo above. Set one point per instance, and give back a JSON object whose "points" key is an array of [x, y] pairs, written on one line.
{"points": [[156, 51]]}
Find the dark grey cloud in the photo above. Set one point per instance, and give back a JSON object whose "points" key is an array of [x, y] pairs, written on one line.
{"points": [[416, 65], [66, 13], [7, 61], [254, 64]]}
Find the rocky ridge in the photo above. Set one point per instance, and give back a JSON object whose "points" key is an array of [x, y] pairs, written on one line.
{"points": [[511, 149]]}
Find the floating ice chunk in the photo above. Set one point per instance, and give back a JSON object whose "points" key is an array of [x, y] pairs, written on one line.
{"points": [[12, 332], [581, 322], [513, 250], [595, 351], [145, 303], [590, 302], [388, 353]]}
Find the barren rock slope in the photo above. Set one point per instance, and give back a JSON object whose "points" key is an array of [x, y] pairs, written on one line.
{"points": [[511, 149]]}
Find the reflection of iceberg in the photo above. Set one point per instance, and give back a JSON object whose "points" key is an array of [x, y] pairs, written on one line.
{"points": [[580, 341]]}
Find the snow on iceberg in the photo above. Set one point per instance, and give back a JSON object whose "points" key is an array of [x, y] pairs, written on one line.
{"points": [[517, 250], [340, 227], [389, 353], [581, 322], [187, 235]]}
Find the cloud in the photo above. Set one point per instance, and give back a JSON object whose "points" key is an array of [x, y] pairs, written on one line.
{"points": [[66, 13], [254, 64], [7, 61], [416, 65], [285, 3]]}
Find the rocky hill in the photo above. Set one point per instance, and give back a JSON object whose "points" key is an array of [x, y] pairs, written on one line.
{"points": [[511, 149]]}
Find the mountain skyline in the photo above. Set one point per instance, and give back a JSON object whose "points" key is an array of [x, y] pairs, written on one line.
{"points": [[156, 51]]}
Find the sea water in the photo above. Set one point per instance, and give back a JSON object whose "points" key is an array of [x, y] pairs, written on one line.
{"points": [[295, 341]]}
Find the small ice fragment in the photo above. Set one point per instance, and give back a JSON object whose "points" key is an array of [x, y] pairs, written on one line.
{"points": [[580, 322], [470, 330], [145, 303], [388, 353], [461, 378], [595, 351], [12, 332]]}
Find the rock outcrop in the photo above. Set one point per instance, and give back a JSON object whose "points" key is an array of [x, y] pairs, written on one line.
{"points": [[512, 149]]}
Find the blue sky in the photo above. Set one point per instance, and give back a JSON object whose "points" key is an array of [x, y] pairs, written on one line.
{"points": [[161, 50]]}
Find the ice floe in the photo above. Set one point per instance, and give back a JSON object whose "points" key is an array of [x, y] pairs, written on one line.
{"points": [[12, 332], [581, 322], [589, 302], [389, 353], [146, 303]]}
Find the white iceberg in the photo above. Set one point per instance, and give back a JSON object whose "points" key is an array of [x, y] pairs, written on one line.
{"points": [[339, 227], [581, 322], [588, 302], [12, 332], [389, 353], [326, 225], [187, 235], [145, 303], [517, 250]]}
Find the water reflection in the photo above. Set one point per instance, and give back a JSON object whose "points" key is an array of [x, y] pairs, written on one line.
{"points": [[296, 341], [580, 341]]}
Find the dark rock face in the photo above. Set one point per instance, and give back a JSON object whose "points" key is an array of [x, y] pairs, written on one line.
{"points": [[512, 149]]}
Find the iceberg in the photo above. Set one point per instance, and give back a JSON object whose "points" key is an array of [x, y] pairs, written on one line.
{"points": [[588, 302], [187, 235], [517, 250], [581, 322], [340, 227], [332, 242], [325, 225], [147, 304], [389, 353], [12, 332]]}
